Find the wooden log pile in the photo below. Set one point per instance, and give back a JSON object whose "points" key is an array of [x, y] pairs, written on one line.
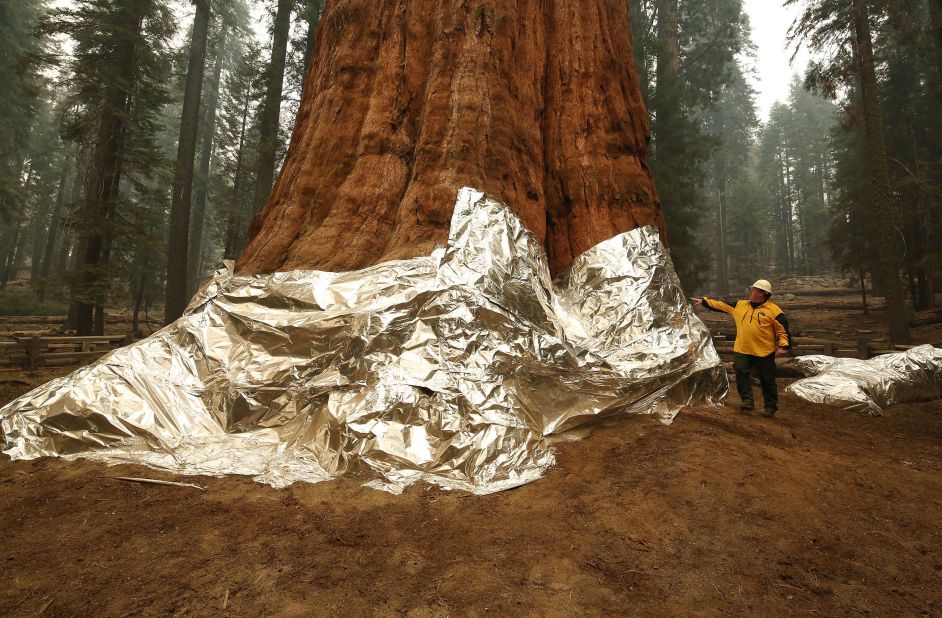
{"points": [[926, 318], [37, 351]]}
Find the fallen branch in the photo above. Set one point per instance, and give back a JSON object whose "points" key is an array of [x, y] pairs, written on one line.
{"points": [[132, 479], [44, 607], [792, 587]]}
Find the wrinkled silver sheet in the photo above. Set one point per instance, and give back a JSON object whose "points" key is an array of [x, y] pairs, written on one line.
{"points": [[452, 368], [870, 385]]}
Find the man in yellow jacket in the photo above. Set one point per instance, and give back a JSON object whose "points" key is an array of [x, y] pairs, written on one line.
{"points": [[761, 335]]}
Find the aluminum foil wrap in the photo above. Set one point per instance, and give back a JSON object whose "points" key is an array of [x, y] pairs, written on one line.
{"points": [[453, 368], [870, 385]]}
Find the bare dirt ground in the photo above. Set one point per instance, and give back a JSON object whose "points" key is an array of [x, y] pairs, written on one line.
{"points": [[817, 512]]}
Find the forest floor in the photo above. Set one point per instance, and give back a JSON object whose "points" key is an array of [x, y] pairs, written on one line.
{"points": [[818, 511]]}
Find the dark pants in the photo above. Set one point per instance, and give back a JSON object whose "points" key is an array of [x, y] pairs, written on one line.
{"points": [[765, 368]]}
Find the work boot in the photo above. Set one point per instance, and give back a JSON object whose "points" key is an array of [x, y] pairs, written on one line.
{"points": [[746, 408], [768, 413]]}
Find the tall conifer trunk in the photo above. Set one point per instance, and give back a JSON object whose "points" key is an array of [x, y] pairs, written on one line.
{"points": [[722, 261], [235, 228], [52, 237], [536, 103], [178, 245], [271, 106], [202, 186], [9, 266], [884, 226], [935, 16], [314, 9], [104, 179]]}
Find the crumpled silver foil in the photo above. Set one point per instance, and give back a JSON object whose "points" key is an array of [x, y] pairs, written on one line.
{"points": [[870, 385], [452, 368]]}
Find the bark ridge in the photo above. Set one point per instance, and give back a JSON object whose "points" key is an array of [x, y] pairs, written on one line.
{"points": [[535, 102]]}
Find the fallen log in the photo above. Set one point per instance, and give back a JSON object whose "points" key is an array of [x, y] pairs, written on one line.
{"points": [[927, 318], [831, 306], [32, 319], [820, 292], [58, 319]]}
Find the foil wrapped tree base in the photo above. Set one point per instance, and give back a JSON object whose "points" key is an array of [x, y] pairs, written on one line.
{"points": [[452, 368]]}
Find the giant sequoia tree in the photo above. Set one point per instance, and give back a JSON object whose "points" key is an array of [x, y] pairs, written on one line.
{"points": [[537, 103]]}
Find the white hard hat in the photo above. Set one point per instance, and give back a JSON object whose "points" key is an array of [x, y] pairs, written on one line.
{"points": [[763, 285]]}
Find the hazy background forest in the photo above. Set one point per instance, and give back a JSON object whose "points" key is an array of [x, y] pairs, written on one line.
{"points": [[93, 108]]}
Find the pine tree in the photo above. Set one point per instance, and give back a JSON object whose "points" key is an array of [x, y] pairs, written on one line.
{"points": [[179, 242], [237, 149], [213, 200], [311, 14], [20, 50], [687, 53], [775, 167], [844, 28], [298, 60], [732, 123], [117, 80], [56, 224], [851, 206], [47, 162], [270, 112], [815, 117], [935, 25], [912, 133], [208, 136]]}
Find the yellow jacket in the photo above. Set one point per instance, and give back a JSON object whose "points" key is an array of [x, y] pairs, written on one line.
{"points": [[759, 328]]}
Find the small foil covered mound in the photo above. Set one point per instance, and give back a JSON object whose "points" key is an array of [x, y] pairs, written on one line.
{"points": [[452, 368], [870, 385]]}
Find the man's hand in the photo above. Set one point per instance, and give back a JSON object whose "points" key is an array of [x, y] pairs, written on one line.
{"points": [[781, 352], [697, 301]]}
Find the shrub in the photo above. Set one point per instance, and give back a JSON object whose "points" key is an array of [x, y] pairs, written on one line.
{"points": [[22, 301]]}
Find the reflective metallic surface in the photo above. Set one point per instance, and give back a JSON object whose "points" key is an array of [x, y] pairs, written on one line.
{"points": [[871, 385], [452, 368]]}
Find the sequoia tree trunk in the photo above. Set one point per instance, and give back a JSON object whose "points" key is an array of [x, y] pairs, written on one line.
{"points": [[534, 102]]}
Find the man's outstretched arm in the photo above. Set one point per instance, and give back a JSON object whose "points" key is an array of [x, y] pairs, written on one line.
{"points": [[713, 305]]}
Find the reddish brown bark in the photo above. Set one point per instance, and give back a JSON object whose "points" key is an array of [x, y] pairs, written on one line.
{"points": [[535, 102]]}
